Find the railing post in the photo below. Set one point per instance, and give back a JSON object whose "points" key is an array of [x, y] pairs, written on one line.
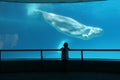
{"points": [[42, 65], [41, 55], [0, 55], [81, 59], [82, 55]]}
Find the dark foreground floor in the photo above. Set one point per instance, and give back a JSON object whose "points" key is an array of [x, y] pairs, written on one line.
{"points": [[60, 76], [60, 66], [59, 70]]}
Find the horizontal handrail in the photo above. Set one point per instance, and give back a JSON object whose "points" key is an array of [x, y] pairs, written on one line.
{"points": [[30, 50], [60, 50], [94, 49], [41, 51]]}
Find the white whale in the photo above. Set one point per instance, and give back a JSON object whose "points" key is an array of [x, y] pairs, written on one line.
{"points": [[70, 26]]}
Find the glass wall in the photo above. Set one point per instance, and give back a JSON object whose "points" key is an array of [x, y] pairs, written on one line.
{"points": [[86, 25]]}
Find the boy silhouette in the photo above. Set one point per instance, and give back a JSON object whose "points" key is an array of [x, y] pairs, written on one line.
{"points": [[65, 49]]}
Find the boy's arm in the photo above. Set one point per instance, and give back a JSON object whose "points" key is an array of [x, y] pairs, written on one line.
{"points": [[61, 48]]}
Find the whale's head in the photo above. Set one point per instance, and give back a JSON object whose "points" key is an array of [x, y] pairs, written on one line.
{"points": [[98, 31], [90, 32]]}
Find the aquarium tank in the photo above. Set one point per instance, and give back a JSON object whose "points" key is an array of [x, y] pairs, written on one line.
{"points": [[84, 25]]}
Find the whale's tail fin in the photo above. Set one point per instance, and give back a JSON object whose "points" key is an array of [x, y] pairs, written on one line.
{"points": [[39, 12]]}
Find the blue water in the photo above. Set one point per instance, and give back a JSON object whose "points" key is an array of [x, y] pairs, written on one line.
{"points": [[20, 28]]}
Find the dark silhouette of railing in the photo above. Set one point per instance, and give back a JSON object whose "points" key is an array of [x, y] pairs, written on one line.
{"points": [[42, 50]]}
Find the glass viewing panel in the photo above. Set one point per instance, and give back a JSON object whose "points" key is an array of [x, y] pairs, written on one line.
{"points": [[86, 25]]}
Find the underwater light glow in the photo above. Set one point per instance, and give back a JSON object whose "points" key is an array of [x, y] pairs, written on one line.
{"points": [[61, 44], [31, 8]]}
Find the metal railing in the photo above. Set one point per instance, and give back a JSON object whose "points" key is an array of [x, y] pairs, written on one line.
{"points": [[42, 50]]}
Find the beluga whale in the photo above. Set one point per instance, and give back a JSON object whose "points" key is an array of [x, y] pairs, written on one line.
{"points": [[70, 26]]}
